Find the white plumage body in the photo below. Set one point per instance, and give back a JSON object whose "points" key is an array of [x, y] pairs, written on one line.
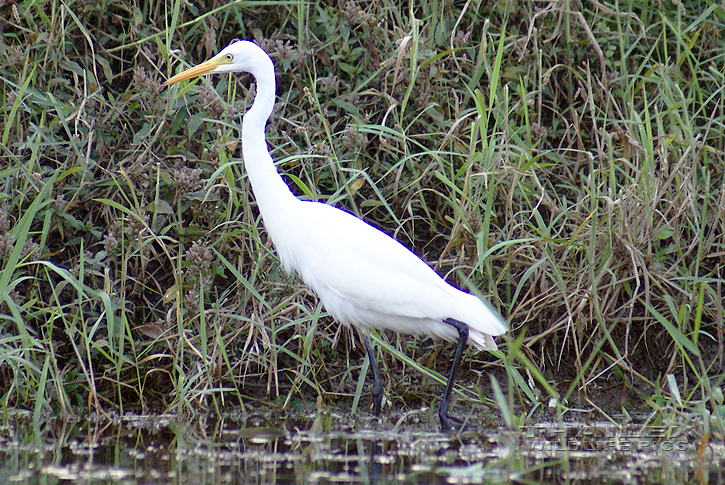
{"points": [[367, 279]]}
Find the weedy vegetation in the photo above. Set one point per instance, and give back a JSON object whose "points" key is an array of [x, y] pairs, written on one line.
{"points": [[563, 159]]}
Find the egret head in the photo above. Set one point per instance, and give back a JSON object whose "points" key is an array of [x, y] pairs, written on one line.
{"points": [[238, 56]]}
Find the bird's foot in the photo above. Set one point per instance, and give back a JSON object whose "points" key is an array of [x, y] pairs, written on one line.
{"points": [[378, 399], [377, 402], [451, 423]]}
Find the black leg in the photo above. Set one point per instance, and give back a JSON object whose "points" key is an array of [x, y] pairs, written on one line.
{"points": [[462, 342], [377, 382]]}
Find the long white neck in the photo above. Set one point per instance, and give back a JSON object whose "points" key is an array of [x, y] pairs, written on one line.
{"points": [[270, 191]]}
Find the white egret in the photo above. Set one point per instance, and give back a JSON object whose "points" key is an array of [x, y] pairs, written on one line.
{"points": [[363, 277]]}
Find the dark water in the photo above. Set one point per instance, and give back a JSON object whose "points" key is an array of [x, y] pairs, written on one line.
{"points": [[200, 451]]}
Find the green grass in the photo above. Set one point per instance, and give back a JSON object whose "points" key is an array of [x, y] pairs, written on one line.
{"points": [[565, 162]]}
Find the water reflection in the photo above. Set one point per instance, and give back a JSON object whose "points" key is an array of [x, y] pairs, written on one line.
{"points": [[162, 449]]}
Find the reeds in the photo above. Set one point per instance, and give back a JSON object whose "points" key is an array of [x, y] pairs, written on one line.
{"points": [[565, 161]]}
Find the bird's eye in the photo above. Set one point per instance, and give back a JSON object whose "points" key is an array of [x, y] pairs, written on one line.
{"points": [[229, 57]]}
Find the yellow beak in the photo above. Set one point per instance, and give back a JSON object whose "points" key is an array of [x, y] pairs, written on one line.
{"points": [[204, 68]]}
